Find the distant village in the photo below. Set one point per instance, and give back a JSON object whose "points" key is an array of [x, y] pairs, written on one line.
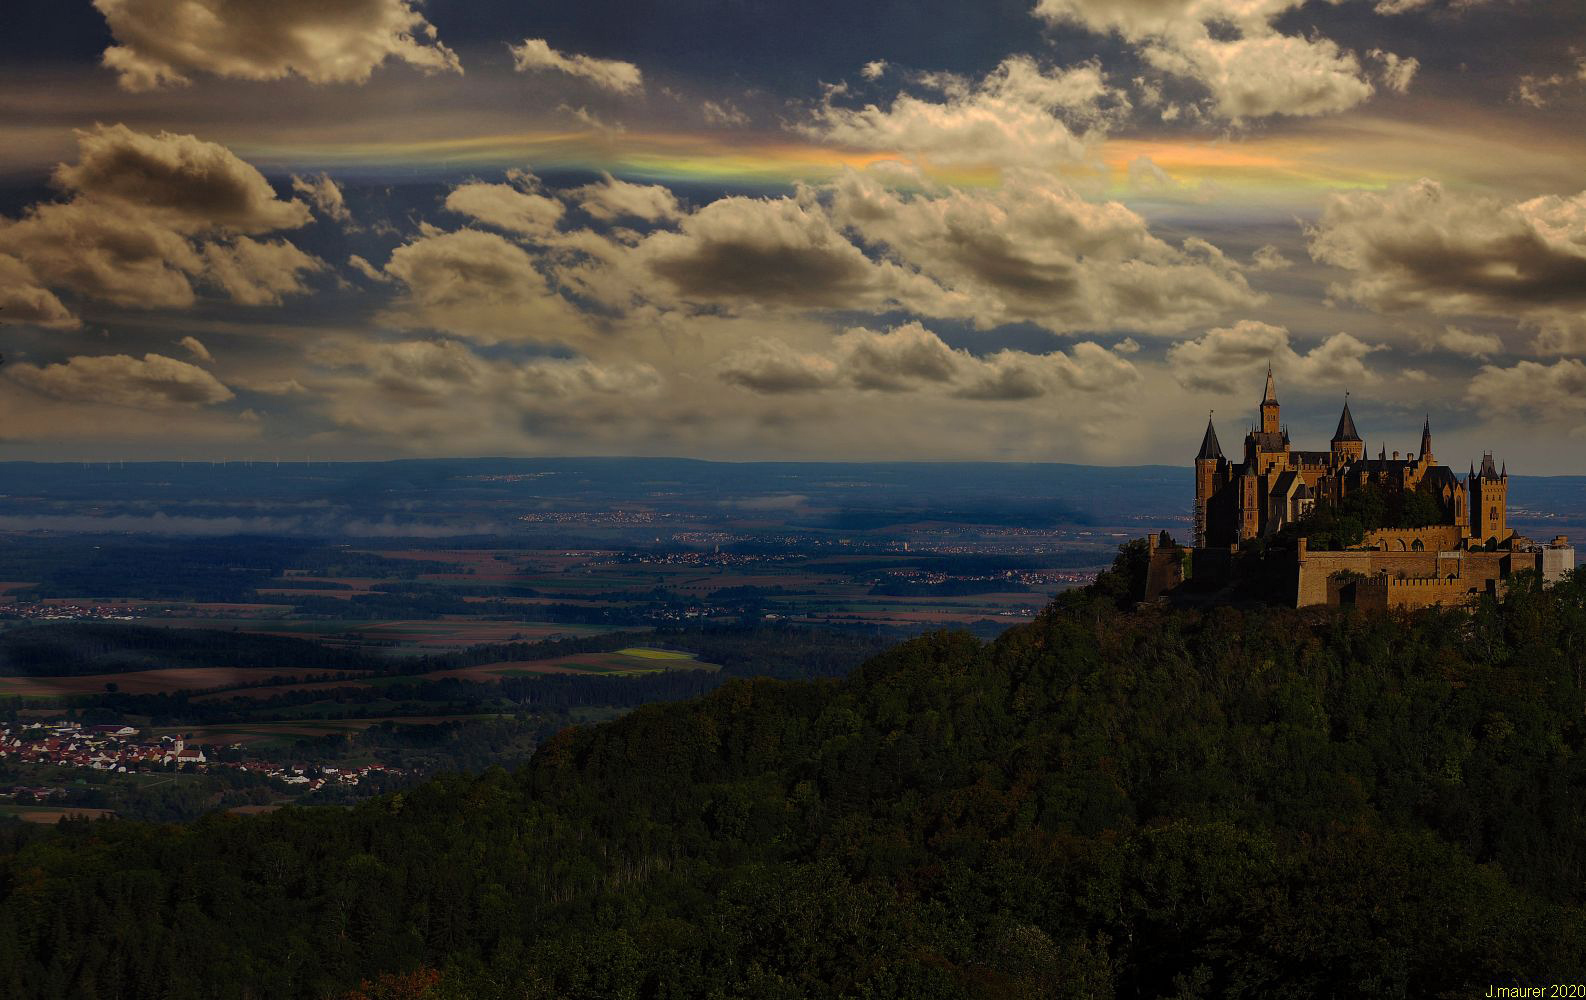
{"points": [[123, 749]]}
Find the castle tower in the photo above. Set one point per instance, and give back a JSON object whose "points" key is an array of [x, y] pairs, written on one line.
{"points": [[1206, 462], [1269, 407], [1347, 445], [1426, 442], [1489, 503], [1249, 519]]}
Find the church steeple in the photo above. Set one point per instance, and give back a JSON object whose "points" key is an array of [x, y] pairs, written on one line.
{"points": [[1271, 395], [1426, 439]]}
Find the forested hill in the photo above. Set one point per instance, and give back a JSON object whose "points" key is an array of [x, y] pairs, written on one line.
{"points": [[1102, 803]]}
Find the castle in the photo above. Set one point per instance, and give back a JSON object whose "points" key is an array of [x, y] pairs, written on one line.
{"points": [[1276, 484], [1463, 547]]}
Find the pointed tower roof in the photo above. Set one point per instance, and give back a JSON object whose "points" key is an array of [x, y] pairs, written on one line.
{"points": [[1346, 427], [1271, 395], [1210, 449], [1488, 470], [1426, 436]]}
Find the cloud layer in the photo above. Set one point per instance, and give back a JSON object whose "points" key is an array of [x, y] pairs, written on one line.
{"points": [[911, 358]]}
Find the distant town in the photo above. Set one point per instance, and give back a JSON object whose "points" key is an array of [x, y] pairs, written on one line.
{"points": [[125, 749]]}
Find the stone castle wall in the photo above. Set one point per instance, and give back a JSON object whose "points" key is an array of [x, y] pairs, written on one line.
{"points": [[1405, 579], [1436, 538]]}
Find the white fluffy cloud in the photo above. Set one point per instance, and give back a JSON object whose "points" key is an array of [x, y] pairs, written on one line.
{"points": [[479, 286], [535, 55], [24, 300], [910, 358], [1230, 359], [1543, 391], [430, 392], [182, 181], [103, 252], [1232, 48], [325, 195], [1033, 250], [255, 272], [146, 217], [196, 348], [765, 251], [1018, 114], [152, 382], [1269, 258], [162, 42], [1029, 250], [723, 112], [613, 199], [1422, 247], [507, 207], [1540, 90], [1457, 340]]}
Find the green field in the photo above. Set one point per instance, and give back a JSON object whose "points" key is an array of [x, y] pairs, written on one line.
{"points": [[645, 653]]}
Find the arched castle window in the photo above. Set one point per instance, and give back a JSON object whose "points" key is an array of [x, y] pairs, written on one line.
{"points": [[1417, 546]]}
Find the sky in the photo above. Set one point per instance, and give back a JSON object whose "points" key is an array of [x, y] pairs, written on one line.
{"points": [[1020, 230]]}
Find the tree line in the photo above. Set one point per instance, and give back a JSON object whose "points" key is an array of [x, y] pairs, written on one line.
{"points": [[1108, 802]]}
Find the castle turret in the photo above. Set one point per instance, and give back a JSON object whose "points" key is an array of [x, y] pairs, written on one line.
{"points": [[1347, 445], [1206, 480], [1426, 440]]}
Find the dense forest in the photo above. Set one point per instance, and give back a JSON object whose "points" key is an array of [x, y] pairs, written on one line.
{"points": [[1108, 802]]}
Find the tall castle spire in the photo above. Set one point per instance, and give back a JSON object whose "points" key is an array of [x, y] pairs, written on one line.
{"points": [[1347, 445], [1210, 449], [1426, 438], [1270, 423], [1346, 427]]}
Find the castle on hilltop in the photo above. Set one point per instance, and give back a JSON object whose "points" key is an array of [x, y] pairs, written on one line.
{"points": [[1276, 485], [1456, 546]]}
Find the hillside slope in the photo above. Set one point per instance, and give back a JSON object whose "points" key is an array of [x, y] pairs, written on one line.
{"points": [[1101, 803]]}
